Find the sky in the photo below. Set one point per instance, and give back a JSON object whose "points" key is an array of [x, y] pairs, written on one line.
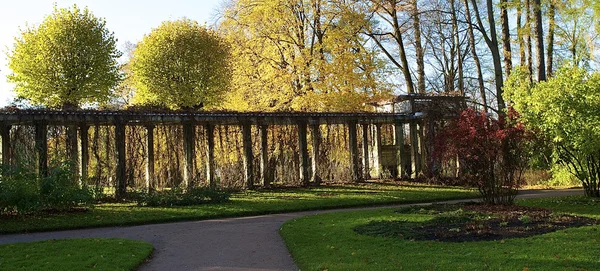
{"points": [[130, 20]]}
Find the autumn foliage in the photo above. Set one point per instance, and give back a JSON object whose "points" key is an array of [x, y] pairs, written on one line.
{"points": [[491, 152]]}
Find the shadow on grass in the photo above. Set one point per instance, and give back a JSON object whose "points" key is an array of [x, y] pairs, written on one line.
{"points": [[243, 204], [328, 241]]}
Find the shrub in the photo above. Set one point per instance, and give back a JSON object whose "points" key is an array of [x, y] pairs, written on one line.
{"points": [[22, 191], [61, 191], [179, 197], [561, 176], [491, 152], [566, 110], [19, 192]]}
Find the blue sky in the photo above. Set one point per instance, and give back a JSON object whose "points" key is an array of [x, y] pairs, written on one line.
{"points": [[128, 19]]}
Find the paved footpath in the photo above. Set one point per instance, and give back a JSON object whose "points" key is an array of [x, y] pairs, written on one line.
{"points": [[235, 244]]}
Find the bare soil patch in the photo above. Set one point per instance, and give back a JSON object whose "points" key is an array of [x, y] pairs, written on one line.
{"points": [[475, 222]]}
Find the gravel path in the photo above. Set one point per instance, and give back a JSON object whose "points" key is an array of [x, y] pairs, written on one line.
{"points": [[236, 244]]}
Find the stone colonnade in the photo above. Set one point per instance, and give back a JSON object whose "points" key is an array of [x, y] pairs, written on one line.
{"points": [[80, 122]]}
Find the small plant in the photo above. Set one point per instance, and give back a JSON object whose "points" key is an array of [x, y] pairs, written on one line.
{"points": [[525, 219], [180, 197], [503, 224]]}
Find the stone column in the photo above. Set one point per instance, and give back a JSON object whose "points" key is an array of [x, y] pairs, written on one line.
{"points": [[248, 155], [73, 150], [303, 146], [377, 151], [264, 155], [353, 145], [189, 151], [365, 157], [121, 156], [150, 178], [210, 155], [414, 145], [84, 156], [400, 151], [41, 146], [6, 144], [314, 159]]}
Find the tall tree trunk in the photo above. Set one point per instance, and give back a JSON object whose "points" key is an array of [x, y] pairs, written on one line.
{"points": [[529, 24], [410, 87], [456, 41], [520, 35], [475, 56], [418, 47], [550, 41], [492, 42], [506, 37], [573, 48], [539, 40]]}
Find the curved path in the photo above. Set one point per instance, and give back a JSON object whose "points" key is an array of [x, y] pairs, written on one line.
{"points": [[244, 244]]}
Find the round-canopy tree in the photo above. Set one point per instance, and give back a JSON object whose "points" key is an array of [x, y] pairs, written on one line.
{"points": [[69, 59], [180, 64]]}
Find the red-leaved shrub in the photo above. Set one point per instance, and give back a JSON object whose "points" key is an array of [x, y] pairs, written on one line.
{"points": [[491, 152]]}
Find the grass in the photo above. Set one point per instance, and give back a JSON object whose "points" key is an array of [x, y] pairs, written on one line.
{"points": [[328, 242], [75, 254], [241, 204]]}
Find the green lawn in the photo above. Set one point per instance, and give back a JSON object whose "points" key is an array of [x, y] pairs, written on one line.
{"points": [[242, 204], [328, 242], [75, 254]]}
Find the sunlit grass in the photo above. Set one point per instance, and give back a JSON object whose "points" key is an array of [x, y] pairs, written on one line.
{"points": [[241, 204], [328, 242], [75, 254]]}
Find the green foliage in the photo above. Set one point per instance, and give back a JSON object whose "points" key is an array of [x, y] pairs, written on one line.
{"points": [[562, 177], [68, 60], [565, 109], [19, 191], [179, 197], [181, 64], [22, 191], [75, 254], [61, 191]]}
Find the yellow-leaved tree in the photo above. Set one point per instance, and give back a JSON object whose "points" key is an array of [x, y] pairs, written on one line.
{"points": [[181, 65], [300, 55], [68, 60]]}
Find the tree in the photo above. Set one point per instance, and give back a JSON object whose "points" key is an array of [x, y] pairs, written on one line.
{"points": [[389, 12], [475, 57], [181, 64], [68, 60], [491, 40], [550, 38], [506, 37], [539, 39], [566, 108], [418, 47], [299, 55], [575, 34]]}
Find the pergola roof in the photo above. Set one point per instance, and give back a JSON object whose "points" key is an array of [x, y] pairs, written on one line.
{"points": [[126, 117]]}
